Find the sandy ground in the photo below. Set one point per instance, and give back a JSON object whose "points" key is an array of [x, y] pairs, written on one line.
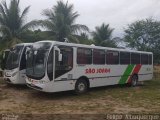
{"points": [[23, 100]]}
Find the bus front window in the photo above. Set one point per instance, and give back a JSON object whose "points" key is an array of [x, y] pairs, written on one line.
{"points": [[4, 59], [14, 57], [36, 60]]}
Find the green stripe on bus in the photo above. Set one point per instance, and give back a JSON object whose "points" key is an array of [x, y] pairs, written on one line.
{"points": [[126, 74]]}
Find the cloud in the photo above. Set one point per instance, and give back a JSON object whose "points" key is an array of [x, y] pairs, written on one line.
{"points": [[117, 13]]}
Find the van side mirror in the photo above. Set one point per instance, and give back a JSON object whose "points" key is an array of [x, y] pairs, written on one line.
{"points": [[3, 55], [60, 57], [27, 51], [59, 53]]}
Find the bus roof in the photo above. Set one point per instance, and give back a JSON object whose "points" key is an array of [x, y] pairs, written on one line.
{"points": [[92, 46], [24, 44]]}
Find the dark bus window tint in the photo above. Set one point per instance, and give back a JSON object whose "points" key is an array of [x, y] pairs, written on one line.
{"points": [[84, 56], [135, 58], [50, 65], [23, 60], [150, 59], [112, 57], [98, 56], [144, 59], [124, 58], [4, 59]]}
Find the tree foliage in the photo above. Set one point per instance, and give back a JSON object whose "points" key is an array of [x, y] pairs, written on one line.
{"points": [[37, 35], [144, 35], [61, 21], [13, 21], [103, 36], [84, 39]]}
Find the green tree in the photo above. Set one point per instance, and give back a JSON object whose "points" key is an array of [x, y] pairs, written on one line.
{"points": [[61, 21], [37, 35], [103, 36], [144, 35], [12, 22], [84, 39]]}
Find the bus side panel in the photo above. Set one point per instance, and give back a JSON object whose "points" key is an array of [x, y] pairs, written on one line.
{"points": [[98, 75], [97, 82], [101, 75], [113, 74], [145, 77], [146, 73], [59, 86]]}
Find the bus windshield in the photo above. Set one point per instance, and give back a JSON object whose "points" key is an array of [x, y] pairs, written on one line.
{"points": [[4, 59], [14, 57], [36, 59]]}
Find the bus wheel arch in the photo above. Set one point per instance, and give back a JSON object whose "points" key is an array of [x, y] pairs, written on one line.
{"points": [[82, 85]]}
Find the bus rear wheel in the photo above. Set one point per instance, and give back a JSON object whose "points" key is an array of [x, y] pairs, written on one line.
{"points": [[134, 81], [81, 86]]}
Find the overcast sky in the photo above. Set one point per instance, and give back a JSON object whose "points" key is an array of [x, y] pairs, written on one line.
{"points": [[117, 13]]}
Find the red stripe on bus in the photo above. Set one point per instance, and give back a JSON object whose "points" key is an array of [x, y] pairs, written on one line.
{"points": [[135, 71]]}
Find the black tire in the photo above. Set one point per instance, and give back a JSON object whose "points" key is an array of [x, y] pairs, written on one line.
{"points": [[134, 81], [81, 86]]}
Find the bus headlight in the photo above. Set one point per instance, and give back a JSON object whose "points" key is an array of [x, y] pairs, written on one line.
{"points": [[42, 82], [14, 74]]}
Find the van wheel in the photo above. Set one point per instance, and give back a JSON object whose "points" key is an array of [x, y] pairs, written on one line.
{"points": [[81, 86], [134, 81]]}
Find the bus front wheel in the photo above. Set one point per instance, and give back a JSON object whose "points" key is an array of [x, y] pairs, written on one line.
{"points": [[134, 81], [81, 86]]}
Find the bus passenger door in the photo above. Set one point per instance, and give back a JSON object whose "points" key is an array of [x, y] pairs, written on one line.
{"points": [[66, 64], [22, 68]]}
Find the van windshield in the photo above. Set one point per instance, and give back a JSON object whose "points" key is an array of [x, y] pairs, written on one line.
{"points": [[36, 60]]}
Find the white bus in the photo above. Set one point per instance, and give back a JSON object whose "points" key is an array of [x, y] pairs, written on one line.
{"points": [[15, 70], [55, 66]]}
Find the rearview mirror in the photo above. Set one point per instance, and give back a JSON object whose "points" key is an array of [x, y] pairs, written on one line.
{"points": [[28, 51], [59, 53], [3, 55], [35, 52], [60, 57]]}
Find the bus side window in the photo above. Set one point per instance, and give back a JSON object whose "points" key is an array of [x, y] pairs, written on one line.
{"points": [[124, 58], [150, 59], [135, 58], [84, 56], [98, 56], [23, 60], [112, 57], [144, 59]]}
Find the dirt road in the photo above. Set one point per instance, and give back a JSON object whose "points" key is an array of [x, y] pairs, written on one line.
{"points": [[112, 99]]}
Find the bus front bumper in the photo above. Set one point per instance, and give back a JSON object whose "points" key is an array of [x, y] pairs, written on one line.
{"points": [[11, 76], [34, 84], [34, 87]]}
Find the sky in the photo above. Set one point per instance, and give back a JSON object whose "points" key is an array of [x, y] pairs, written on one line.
{"points": [[117, 13]]}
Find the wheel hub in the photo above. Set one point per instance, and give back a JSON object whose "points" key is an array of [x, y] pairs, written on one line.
{"points": [[81, 87]]}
